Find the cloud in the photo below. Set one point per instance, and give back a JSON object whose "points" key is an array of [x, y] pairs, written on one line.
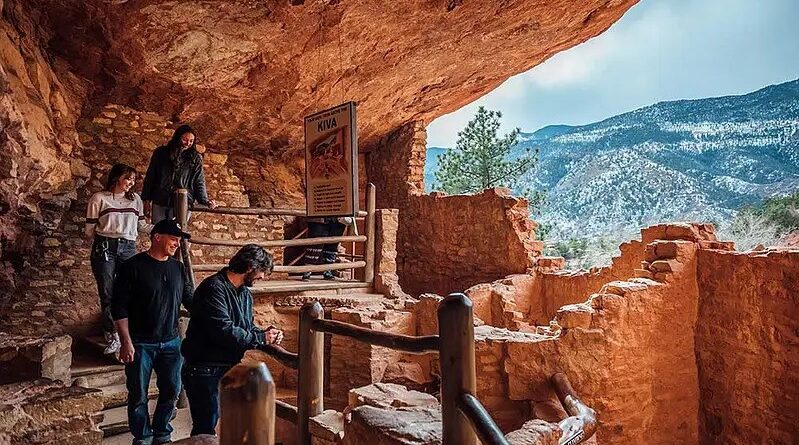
{"points": [[573, 67], [659, 50]]}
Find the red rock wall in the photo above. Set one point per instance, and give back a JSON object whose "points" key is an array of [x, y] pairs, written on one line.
{"points": [[629, 353], [747, 347], [38, 109], [553, 289]]}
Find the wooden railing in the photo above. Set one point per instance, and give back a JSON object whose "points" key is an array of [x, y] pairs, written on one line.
{"points": [[367, 264], [248, 404], [463, 417]]}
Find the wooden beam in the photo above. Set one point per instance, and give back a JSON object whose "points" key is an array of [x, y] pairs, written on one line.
{"points": [[256, 211], [407, 343], [290, 269], [282, 355], [481, 421], [286, 411], [278, 243]]}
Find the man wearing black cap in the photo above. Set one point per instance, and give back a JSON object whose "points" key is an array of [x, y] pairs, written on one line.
{"points": [[148, 291]]}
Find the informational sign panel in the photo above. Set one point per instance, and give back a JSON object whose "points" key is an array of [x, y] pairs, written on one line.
{"points": [[331, 162]]}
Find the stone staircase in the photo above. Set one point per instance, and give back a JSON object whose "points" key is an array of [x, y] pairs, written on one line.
{"points": [[91, 369]]}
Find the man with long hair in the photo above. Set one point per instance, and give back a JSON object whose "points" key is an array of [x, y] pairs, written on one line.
{"points": [[176, 165], [221, 330]]}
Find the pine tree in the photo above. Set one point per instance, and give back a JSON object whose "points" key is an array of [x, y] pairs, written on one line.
{"points": [[482, 160]]}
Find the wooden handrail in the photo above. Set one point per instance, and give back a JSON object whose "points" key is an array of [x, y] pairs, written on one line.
{"points": [[487, 430], [285, 357], [369, 228], [286, 411], [278, 243], [247, 401], [406, 343], [457, 363], [257, 211], [291, 269], [310, 375], [582, 423]]}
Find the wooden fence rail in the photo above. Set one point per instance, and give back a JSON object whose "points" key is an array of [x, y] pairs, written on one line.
{"points": [[464, 418], [406, 343], [257, 211], [289, 359], [291, 269], [476, 414], [368, 263]]}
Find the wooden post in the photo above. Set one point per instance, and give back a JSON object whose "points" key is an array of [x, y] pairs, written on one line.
{"points": [[182, 216], [247, 401], [181, 208], [369, 228], [310, 391], [456, 351]]}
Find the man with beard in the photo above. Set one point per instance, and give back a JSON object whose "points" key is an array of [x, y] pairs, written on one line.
{"points": [[221, 330], [148, 291], [176, 165]]}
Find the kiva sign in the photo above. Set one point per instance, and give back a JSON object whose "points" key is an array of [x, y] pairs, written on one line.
{"points": [[331, 162]]}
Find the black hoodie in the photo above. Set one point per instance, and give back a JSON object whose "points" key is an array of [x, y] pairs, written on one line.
{"points": [[170, 170]]}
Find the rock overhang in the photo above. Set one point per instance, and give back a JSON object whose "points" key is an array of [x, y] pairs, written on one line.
{"points": [[246, 72]]}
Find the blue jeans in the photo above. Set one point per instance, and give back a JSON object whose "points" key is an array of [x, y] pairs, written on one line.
{"points": [[202, 390], [165, 359]]}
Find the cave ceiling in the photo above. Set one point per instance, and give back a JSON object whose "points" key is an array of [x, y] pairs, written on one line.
{"points": [[244, 73]]}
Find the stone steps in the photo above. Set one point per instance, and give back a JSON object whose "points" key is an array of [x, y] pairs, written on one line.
{"points": [[117, 395]]}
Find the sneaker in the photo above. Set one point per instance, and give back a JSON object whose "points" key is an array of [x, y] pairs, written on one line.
{"points": [[328, 275], [112, 340], [306, 276]]}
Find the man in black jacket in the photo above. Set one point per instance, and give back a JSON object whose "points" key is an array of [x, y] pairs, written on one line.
{"points": [[148, 291], [221, 330], [174, 166]]}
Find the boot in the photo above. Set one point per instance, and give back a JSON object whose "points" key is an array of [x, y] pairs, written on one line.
{"points": [[112, 342], [306, 276], [328, 275]]}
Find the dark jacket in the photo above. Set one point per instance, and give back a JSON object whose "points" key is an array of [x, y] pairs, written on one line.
{"points": [[221, 327], [163, 178]]}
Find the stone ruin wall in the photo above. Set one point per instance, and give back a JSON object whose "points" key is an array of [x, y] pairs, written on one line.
{"points": [[747, 338], [447, 243], [659, 350]]}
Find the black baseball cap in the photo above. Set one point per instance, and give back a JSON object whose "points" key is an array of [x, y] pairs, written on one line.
{"points": [[169, 227]]}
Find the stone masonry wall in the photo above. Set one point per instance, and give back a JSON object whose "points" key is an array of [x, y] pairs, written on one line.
{"points": [[447, 243], [61, 295], [747, 347]]}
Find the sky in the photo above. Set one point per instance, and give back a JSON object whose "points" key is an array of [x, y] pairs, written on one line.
{"points": [[660, 50]]}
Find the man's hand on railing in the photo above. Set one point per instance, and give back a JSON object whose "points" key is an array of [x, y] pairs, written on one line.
{"points": [[273, 335]]}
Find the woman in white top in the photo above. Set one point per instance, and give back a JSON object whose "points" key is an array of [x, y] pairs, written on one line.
{"points": [[114, 217]]}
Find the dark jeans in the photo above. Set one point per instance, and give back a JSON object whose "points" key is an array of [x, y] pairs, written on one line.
{"points": [[323, 253], [165, 359], [107, 254], [202, 389]]}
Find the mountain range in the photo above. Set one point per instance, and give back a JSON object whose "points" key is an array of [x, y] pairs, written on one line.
{"points": [[700, 159]]}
